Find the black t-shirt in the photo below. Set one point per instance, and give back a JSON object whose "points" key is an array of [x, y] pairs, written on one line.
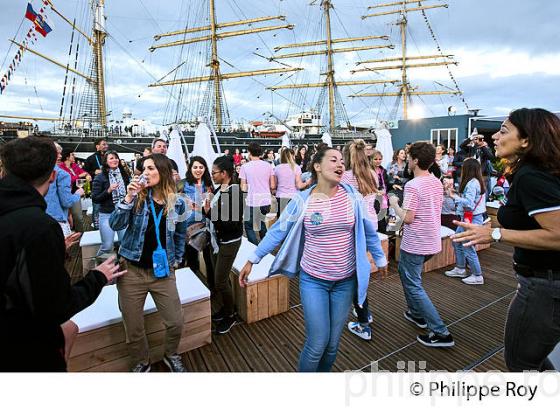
{"points": [[532, 191], [150, 240], [140, 164]]}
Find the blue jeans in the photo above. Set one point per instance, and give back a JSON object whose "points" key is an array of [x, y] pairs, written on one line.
{"points": [[326, 305], [107, 234], [467, 254], [252, 215], [418, 301], [95, 215]]}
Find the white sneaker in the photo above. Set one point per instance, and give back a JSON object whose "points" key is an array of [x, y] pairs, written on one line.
{"points": [[456, 273], [474, 280]]}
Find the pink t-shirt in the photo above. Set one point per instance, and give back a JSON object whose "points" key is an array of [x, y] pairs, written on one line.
{"points": [[286, 178], [257, 174], [369, 200], [424, 196], [329, 237]]}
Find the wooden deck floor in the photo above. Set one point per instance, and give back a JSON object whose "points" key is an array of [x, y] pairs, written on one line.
{"points": [[475, 316]]}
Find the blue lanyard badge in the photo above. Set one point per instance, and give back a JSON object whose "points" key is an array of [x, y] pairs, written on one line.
{"points": [[97, 159], [159, 257]]}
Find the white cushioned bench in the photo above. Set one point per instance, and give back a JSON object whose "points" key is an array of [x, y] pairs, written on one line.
{"points": [[90, 242], [263, 296], [100, 345]]}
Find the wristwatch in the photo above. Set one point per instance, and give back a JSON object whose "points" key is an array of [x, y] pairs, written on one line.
{"points": [[496, 234]]}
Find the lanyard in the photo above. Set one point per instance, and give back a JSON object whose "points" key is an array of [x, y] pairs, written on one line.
{"points": [[157, 218], [97, 159]]}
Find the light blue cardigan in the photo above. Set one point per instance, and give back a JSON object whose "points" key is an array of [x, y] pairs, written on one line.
{"points": [[289, 231]]}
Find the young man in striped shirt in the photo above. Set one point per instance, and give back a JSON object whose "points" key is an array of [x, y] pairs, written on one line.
{"points": [[423, 199]]}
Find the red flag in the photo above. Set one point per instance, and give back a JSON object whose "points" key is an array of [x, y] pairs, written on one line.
{"points": [[30, 13]]}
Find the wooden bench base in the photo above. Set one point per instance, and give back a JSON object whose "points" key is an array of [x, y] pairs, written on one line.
{"points": [[104, 349], [385, 246], [262, 299]]}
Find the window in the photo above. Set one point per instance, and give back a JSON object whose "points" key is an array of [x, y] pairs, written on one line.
{"points": [[445, 136]]}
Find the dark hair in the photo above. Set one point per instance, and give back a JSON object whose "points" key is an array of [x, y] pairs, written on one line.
{"points": [[541, 128], [206, 179], [316, 159], [424, 152], [471, 169], [396, 154], [255, 149], [105, 166], [98, 141], [159, 139], [32, 159], [65, 154], [225, 164]]}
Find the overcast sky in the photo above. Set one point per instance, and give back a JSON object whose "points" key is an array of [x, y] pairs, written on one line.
{"points": [[508, 53]]}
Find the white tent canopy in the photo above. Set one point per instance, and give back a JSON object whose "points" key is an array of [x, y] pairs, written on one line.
{"points": [[384, 145], [326, 138], [175, 152], [203, 144]]}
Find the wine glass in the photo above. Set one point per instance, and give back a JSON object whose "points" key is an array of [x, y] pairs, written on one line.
{"points": [[80, 182]]}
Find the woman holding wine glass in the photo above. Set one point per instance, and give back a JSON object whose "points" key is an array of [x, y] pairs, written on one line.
{"points": [[109, 187], [77, 179]]}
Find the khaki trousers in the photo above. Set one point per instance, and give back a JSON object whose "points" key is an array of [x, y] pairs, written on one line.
{"points": [[133, 288]]}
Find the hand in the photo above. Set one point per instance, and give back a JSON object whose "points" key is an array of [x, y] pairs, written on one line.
{"points": [[134, 187], [72, 239], [97, 171], [244, 274], [79, 191], [176, 176], [473, 234], [112, 187], [109, 269], [397, 177]]}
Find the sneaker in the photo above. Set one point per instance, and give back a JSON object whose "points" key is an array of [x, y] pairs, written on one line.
{"points": [[361, 331], [418, 321], [456, 273], [434, 340], [141, 368], [369, 318], [474, 280], [174, 363], [225, 324], [218, 316]]}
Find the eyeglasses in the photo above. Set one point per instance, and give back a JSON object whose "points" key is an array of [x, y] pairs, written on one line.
{"points": [[215, 172]]}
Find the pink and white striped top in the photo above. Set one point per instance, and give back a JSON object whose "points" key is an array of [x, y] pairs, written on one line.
{"points": [[369, 200], [328, 223], [424, 196]]}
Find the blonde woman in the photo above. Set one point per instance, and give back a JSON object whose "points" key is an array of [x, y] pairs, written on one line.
{"points": [[288, 179], [363, 178], [152, 246]]}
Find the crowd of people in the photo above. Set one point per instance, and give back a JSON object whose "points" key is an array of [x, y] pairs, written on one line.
{"points": [[330, 205]]}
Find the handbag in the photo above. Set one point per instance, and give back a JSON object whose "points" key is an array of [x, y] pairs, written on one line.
{"points": [[198, 236], [468, 215]]}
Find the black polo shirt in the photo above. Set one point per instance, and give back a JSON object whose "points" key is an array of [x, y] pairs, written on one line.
{"points": [[532, 191]]}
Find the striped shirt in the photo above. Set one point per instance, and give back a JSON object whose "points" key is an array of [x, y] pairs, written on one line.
{"points": [[369, 200], [424, 196], [328, 224]]}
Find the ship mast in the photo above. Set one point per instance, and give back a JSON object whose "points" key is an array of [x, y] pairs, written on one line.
{"points": [[405, 90], [216, 76], [330, 82], [100, 34]]}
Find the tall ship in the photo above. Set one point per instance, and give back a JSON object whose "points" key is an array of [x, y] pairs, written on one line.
{"points": [[197, 84]]}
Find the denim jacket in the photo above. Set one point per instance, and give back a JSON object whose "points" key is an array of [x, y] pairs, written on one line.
{"points": [[60, 198], [289, 231], [126, 217], [470, 197]]}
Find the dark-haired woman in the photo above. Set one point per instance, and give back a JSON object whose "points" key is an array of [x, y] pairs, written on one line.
{"points": [[529, 140], [197, 185], [226, 213], [68, 164], [109, 188], [324, 234], [470, 205], [150, 214]]}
